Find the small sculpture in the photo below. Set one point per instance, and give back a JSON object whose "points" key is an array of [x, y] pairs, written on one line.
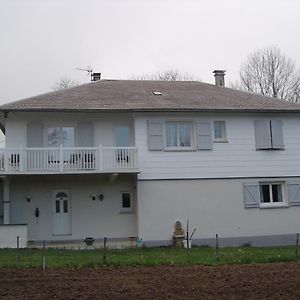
{"points": [[178, 235]]}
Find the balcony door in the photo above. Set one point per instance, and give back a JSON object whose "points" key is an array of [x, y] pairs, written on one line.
{"points": [[61, 213]]}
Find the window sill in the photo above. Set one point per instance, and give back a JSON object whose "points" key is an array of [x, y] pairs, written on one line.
{"points": [[127, 212], [220, 141], [270, 149], [180, 149], [283, 205]]}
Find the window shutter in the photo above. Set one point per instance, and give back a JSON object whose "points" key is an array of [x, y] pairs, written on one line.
{"points": [[251, 195], [262, 134], [85, 134], [35, 135], [204, 138], [277, 134], [294, 193], [155, 135]]}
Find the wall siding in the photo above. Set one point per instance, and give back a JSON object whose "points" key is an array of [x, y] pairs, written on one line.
{"points": [[236, 158]]}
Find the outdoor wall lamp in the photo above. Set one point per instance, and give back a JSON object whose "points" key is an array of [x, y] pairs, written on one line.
{"points": [[28, 198], [93, 196], [101, 197]]}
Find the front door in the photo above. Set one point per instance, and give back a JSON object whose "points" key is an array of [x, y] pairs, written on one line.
{"points": [[61, 213]]}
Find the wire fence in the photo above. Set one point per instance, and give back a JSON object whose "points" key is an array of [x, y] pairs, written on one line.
{"points": [[91, 256]]}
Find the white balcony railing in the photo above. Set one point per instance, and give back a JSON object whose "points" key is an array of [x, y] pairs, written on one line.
{"points": [[68, 160]]}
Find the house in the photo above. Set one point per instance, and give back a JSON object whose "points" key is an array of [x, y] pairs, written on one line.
{"points": [[124, 159]]}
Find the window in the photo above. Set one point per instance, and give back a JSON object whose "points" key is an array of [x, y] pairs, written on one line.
{"points": [[220, 131], [122, 136], [272, 194], [126, 201], [179, 134], [57, 136]]}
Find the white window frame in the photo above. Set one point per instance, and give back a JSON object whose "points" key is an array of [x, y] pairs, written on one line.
{"points": [[180, 148], [272, 204], [222, 139], [127, 209]]}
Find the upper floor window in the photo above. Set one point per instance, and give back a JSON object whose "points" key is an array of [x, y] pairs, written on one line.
{"points": [[64, 136], [122, 136], [179, 134], [220, 131]]}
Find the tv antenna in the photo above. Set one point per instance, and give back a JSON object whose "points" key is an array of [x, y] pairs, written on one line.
{"points": [[89, 71]]}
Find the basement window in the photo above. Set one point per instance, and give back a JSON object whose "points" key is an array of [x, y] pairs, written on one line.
{"points": [[157, 93]]}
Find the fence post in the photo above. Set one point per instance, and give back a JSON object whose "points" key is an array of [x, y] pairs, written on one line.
{"points": [[104, 251], [297, 243], [44, 257], [217, 247], [18, 247]]}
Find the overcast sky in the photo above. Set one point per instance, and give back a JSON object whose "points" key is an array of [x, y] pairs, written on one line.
{"points": [[43, 40]]}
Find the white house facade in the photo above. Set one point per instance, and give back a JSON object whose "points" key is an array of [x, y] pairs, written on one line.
{"points": [[127, 159]]}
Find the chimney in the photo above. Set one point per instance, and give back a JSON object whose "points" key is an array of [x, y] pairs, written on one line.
{"points": [[219, 77], [95, 76]]}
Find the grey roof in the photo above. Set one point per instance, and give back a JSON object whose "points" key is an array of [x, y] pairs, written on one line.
{"points": [[137, 95]]}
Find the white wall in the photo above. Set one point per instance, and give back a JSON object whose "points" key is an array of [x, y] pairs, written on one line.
{"points": [[88, 217], [9, 234], [16, 125], [237, 158], [213, 206]]}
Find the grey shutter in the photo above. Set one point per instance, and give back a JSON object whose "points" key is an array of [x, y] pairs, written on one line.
{"points": [[277, 134], [35, 135], [294, 193], [85, 134], [204, 135], [155, 135], [251, 195], [262, 134]]}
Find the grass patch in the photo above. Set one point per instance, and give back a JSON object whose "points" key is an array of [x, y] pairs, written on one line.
{"points": [[59, 258]]}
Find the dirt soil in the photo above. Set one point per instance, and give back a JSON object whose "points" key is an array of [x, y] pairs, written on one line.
{"points": [[261, 281]]}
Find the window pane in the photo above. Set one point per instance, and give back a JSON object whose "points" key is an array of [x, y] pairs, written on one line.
{"points": [[68, 136], [185, 130], [126, 202], [219, 130], [122, 136], [54, 136], [277, 192], [171, 134], [57, 206], [65, 206], [265, 193]]}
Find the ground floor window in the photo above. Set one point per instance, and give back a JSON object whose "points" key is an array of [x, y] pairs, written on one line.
{"points": [[126, 201], [272, 194]]}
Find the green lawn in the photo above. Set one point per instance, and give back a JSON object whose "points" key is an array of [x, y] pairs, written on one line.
{"points": [[25, 258]]}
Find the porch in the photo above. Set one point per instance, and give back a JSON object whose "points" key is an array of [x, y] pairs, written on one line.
{"points": [[68, 160]]}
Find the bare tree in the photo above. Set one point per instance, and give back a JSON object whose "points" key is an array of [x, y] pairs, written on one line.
{"points": [[168, 75], [271, 73], [64, 83]]}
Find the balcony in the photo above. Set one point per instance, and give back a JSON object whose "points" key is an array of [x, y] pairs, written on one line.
{"points": [[68, 160]]}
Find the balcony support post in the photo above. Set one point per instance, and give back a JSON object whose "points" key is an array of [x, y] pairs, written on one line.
{"points": [[21, 161], [6, 201], [61, 159], [100, 157]]}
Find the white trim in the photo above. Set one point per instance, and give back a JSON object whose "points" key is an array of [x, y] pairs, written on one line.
{"points": [[272, 204]]}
